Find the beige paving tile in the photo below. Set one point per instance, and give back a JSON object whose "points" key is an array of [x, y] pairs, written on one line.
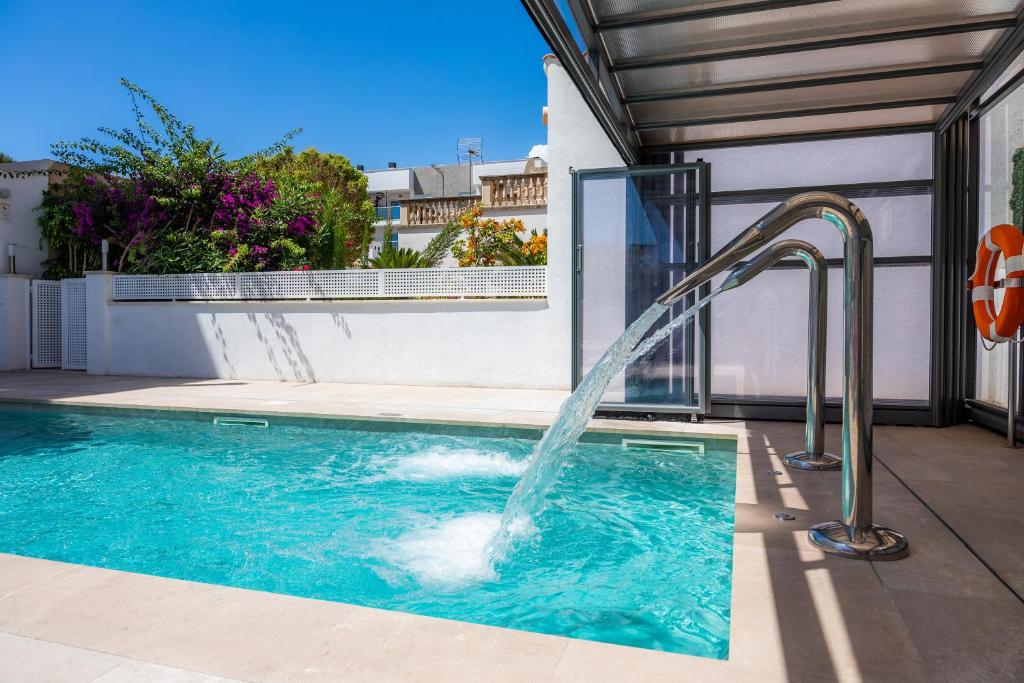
{"points": [[219, 630], [370, 645], [25, 660], [136, 672], [951, 633], [17, 573], [803, 612], [588, 661]]}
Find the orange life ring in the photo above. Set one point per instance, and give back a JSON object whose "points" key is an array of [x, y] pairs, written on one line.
{"points": [[999, 327]]}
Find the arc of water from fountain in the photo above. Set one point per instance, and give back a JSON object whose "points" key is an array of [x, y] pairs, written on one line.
{"points": [[855, 535], [556, 445]]}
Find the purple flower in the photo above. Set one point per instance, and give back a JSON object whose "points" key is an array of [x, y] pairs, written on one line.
{"points": [[84, 222], [300, 225]]}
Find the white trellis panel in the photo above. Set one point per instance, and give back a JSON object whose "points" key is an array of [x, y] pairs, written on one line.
{"points": [[396, 283], [72, 324], [46, 347]]}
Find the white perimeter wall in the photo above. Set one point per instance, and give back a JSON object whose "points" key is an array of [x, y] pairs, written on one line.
{"points": [[22, 228], [484, 343], [575, 140], [489, 343]]}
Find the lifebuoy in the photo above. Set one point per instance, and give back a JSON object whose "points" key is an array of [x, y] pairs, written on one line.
{"points": [[999, 327]]}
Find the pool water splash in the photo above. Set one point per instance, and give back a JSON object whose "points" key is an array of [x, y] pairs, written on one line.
{"points": [[441, 462], [448, 555]]}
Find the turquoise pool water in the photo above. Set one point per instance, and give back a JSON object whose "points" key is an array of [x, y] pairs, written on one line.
{"points": [[634, 546]]}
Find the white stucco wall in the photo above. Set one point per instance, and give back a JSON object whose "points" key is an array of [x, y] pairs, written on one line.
{"points": [[14, 322], [484, 343], [389, 179], [575, 140], [19, 218]]}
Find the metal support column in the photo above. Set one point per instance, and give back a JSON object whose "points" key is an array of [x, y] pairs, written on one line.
{"points": [[813, 457], [854, 535]]}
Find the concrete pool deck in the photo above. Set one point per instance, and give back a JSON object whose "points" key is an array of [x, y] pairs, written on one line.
{"points": [[797, 614]]}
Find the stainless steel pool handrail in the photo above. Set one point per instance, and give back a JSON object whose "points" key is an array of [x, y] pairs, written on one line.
{"points": [[854, 535], [813, 456]]}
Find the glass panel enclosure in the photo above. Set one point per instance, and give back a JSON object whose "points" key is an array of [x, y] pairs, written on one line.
{"points": [[1001, 133], [638, 232], [759, 331]]}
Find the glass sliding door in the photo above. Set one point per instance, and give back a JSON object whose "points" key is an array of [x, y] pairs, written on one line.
{"points": [[638, 231]]}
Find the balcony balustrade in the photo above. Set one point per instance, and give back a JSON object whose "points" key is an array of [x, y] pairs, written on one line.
{"points": [[514, 191], [434, 210]]}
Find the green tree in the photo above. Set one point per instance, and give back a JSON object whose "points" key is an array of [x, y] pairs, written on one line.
{"points": [[345, 213], [5, 158]]}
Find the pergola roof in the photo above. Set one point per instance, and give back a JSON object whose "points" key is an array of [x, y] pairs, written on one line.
{"points": [[696, 72]]}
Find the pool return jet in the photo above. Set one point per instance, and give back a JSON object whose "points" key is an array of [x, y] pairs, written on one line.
{"points": [[855, 535]]}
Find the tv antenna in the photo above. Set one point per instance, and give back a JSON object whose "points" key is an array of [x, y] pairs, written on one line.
{"points": [[468, 150]]}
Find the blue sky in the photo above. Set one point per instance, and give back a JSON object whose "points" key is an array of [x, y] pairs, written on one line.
{"points": [[376, 81]]}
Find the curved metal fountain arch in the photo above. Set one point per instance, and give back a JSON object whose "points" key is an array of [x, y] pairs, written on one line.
{"points": [[855, 535]]}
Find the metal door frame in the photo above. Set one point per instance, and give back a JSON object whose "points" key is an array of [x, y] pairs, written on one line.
{"points": [[703, 331]]}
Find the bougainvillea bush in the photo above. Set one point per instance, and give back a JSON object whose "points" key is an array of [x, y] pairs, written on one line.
{"points": [[169, 201]]}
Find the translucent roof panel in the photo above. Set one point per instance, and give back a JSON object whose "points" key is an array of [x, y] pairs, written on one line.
{"points": [[818, 123], [785, 25], [901, 53], [692, 71], [837, 95]]}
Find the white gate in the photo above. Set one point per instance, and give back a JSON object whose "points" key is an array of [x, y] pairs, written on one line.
{"points": [[72, 324], [46, 347]]}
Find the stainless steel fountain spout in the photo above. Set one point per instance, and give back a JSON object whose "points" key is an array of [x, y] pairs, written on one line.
{"points": [[813, 456], [855, 535]]}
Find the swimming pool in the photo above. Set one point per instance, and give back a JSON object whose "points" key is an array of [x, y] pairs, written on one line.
{"points": [[634, 546]]}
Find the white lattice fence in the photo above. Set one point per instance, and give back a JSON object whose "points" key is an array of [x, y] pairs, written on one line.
{"points": [[72, 324], [46, 346], [397, 283]]}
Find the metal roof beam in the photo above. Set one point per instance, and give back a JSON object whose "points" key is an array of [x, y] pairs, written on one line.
{"points": [[996, 62], [548, 19], [820, 44], [753, 141], [640, 20], [796, 113], [805, 82]]}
